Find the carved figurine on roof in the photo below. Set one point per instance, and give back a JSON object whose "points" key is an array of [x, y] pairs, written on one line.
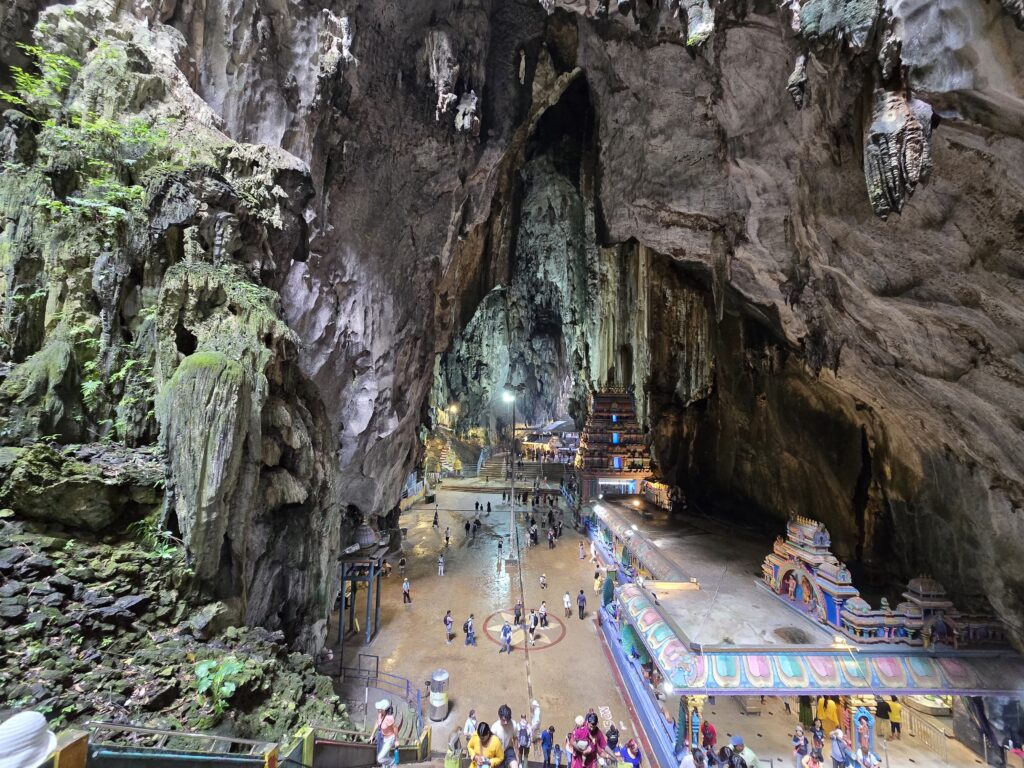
{"points": [[802, 570]]}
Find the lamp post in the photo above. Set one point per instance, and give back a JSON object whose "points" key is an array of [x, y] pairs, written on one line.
{"points": [[509, 397]]}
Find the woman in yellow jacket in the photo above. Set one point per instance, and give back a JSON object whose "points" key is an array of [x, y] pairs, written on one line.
{"points": [[485, 748]]}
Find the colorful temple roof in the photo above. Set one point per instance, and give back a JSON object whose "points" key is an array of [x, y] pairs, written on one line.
{"points": [[659, 566], [843, 670]]}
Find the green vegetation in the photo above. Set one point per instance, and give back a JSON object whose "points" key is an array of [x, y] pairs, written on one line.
{"points": [[159, 541], [217, 680]]}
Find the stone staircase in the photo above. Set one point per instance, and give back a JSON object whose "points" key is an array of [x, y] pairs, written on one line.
{"points": [[494, 468]]}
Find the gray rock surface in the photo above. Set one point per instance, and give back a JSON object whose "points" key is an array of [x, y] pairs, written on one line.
{"points": [[791, 349]]}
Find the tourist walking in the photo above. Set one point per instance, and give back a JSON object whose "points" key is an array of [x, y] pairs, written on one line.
{"points": [[708, 735], [470, 631], [384, 733], [406, 598], [581, 601], [524, 735], [449, 622], [581, 548], [401, 565], [504, 729], [631, 755], [567, 604], [745, 752], [437, 523], [840, 750], [896, 718], [470, 726], [488, 507], [499, 547], [882, 717], [551, 538], [467, 527], [506, 638], [547, 740], [543, 581], [447, 536], [801, 746], [517, 612], [440, 565], [534, 622], [485, 747], [543, 613]]}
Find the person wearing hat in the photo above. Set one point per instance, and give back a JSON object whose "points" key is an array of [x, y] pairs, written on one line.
{"points": [[741, 749], [25, 741], [801, 746], [385, 732]]}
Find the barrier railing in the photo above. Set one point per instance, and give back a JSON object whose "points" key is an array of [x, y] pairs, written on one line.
{"points": [[399, 686], [926, 733]]}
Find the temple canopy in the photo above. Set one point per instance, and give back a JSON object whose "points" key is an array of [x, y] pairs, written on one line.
{"points": [[647, 555], [842, 669]]}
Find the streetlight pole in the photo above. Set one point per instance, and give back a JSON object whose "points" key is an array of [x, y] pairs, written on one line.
{"points": [[509, 397]]}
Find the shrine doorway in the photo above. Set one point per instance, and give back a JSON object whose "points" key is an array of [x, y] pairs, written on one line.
{"points": [[797, 585]]}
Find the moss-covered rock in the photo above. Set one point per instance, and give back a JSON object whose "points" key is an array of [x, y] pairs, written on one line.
{"points": [[89, 487]]}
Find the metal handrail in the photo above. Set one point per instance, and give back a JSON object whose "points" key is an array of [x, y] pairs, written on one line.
{"points": [[99, 727], [933, 737]]}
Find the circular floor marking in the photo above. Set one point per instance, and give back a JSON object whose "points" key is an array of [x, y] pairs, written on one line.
{"points": [[547, 636]]}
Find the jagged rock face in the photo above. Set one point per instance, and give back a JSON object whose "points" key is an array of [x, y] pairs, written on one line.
{"points": [[136, 313], [758, 145]]}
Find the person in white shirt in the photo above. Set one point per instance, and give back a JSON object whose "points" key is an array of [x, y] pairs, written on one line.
{"points": [[505, 729], [470, 727]]}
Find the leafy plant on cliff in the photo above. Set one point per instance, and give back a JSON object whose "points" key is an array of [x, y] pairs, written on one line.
{"points": [[217, 680], [161, 542], [41, 93]]}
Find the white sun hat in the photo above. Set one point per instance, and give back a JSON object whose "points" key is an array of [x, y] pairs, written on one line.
{"points": [[383, 704], [25, 741]]}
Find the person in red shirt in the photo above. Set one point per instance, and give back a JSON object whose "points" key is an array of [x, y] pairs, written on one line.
{"points": [[708, 736], [588, 743]]}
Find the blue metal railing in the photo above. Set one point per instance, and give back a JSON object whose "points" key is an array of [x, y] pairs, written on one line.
{"points": [[395, 684], [659, 730], [484, 453]]}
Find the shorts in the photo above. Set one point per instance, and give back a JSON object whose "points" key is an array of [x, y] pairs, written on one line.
{"points": [[895, 727], [510, 755]]}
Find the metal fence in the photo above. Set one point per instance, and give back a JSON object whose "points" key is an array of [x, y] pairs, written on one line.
{"points": [[926, 733]]}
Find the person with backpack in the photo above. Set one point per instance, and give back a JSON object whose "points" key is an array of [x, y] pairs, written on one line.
{"points": [[506, 639], [841, 756], [524, 736], [449, 623], [534, 622], [801, 746], [612, 736], [401, 565], [467, 627]]}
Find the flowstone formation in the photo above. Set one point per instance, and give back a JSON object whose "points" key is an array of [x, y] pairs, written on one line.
{"points": [[836, 184], [150, 392]]}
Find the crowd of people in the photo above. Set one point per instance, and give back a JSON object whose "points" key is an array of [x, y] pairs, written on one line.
{"points": [[509, 743]]}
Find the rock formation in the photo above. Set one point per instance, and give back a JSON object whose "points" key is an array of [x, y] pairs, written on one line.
{"points": [[794, 227]]}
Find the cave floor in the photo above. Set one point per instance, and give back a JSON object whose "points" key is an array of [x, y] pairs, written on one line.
{"points": [[567, 671], [730, 607]]}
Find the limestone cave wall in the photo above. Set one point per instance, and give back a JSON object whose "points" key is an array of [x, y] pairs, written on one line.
{"points": [[795, 226]]}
